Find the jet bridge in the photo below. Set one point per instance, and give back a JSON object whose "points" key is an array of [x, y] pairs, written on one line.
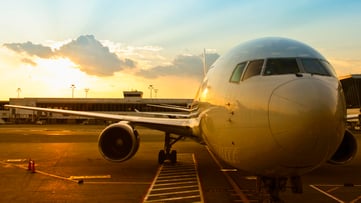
{"points": [[351, 85]]}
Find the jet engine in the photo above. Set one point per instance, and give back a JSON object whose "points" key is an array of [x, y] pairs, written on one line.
{"points": [[346, 151], [118, 142]]}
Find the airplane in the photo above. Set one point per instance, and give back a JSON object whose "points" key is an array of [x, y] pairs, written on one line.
{"points": [[271, 106]]}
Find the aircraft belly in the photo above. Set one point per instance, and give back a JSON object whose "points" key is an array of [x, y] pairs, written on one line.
{"points": [[239, 141], [254, 151]]}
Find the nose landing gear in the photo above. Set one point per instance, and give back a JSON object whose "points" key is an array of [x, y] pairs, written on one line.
{"points": [[163, 155], [167, 153], [273, 185]]}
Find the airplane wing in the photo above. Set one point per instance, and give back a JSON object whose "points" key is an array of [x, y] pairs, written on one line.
{"points": [[180, 126], [166, 106], [169, 115]]}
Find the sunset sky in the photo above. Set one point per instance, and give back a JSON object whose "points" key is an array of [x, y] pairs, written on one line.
{"points": [[112, 46]]}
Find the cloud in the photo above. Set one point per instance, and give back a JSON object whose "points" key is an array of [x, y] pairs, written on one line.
{"points": [[88, 53], [104, 58], [31, 49], [130, 63], [183, 65], [92, 57], [28, 61]]}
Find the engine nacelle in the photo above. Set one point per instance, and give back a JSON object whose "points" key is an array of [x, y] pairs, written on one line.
{"points": [[346, 151], [118, 142]]}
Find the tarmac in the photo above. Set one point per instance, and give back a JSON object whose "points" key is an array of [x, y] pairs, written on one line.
{"points": [[67, 167]]}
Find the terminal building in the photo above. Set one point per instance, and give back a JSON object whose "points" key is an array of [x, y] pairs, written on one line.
{"points": [[4, 113], [351, 85], [128, 105]]}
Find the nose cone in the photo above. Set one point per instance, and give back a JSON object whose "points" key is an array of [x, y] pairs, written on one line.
{"points": [[306, 118]]}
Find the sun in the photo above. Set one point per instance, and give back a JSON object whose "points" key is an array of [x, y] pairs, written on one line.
{"points": [[57, 75]]}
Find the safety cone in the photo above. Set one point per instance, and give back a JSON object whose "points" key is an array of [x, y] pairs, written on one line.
{"points": [[33, 166], [29, 165]]}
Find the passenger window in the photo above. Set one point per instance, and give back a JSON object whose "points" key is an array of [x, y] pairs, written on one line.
{"points": [[281, 66], [253, 68], [314, 66], [237, 72]]}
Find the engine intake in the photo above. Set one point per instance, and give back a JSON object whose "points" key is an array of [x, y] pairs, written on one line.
{"points": [[118, 142], [346, 151]]}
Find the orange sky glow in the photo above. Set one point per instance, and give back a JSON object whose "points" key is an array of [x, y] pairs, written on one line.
{"points": [[48, 46]]}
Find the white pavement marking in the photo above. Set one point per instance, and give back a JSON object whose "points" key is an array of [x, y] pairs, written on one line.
{"points": [[334, 188], [327, 194], [229, 170], [234, 185], [75, 179], [37, 171], [174, 182], [16, 160], [90, 177]]}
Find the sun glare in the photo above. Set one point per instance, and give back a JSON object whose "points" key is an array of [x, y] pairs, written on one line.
{"points": [[58, 75]]}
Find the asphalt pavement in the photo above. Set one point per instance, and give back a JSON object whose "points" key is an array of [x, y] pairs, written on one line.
{"points": [[69, 168]]}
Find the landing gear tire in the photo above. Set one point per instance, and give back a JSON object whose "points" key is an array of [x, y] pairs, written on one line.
{"points": [[167, 153], [272, 186], [296, 185], [172, 157], [161, 156]]}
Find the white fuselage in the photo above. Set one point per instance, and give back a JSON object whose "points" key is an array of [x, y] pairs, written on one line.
{"points": [[272, 125]]}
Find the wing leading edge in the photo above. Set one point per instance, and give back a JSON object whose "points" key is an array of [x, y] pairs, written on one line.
{"points": [[180, 126]]}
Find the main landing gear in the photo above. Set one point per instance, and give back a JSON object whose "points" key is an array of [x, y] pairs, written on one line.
{"points": [[273, 185], [167, 153]]}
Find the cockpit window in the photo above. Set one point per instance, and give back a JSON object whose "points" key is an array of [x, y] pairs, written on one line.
{"points": [[314, 66], [281, 66], [237, 72], [253, 68], [329, 68]]}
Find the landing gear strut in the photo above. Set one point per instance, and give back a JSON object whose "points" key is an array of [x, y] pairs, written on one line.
{"points": [[167, 153], [274, 185]]}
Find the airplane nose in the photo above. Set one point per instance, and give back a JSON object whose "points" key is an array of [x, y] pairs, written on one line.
{"points": [[304, 118]]}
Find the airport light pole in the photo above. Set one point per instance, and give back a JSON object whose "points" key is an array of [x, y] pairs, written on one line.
{"points": [[155, 93], [18, 90], [151, 90], [86, 92], [72, 90]]}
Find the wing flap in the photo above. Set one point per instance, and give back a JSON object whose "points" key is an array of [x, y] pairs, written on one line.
{"points": [[170, 115], [166, 106]]}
